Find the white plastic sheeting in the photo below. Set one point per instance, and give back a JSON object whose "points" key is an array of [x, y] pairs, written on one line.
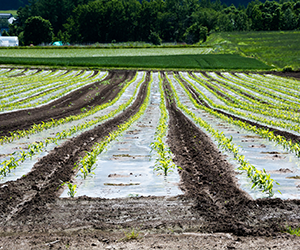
{"points": [[9, 41], [126, 168], [260, 152]]}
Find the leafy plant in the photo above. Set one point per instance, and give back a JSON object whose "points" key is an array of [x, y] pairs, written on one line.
{"points": [[131, 235], [71, 187], [293, 231], [164, 160], [87, 162]]}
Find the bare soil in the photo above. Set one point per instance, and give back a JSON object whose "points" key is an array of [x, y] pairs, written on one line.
{"points": [[213, 213]]}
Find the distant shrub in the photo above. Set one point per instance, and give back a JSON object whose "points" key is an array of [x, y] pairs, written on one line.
{"points": [[287, 69], [5, 33], [154, 38], [195, 33]]}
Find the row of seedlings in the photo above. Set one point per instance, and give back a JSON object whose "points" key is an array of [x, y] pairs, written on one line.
{"points": [[18, 157]]}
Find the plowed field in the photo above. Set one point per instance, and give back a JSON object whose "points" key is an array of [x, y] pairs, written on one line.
{"points": [[213, 212]]}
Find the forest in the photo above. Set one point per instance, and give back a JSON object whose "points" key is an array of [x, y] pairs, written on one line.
{"points": [[156, 21]]}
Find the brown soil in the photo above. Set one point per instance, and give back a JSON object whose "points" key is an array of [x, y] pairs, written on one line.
{"points": [[295, 75], [213, 213], [91, 95]]}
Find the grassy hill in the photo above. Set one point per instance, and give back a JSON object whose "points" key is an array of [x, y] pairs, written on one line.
{"points": [[276, 48]]}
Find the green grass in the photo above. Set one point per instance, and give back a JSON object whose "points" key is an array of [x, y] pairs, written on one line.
{"points": [[228, 62], [13, 12], [97, 52], [275, 48]]}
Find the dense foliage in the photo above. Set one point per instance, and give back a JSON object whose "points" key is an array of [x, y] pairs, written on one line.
{"points": [[37, 30], [86, 21]]}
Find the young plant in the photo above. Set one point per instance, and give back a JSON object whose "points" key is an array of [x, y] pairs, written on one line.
{"points": [[164, 160], [293, 231], [260, 179], [71, 187], [131, 235]]}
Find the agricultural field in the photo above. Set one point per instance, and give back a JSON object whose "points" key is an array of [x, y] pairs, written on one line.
{"points": [[74, 52], [94, 159], [13, 12], [275, 48], [127, 58]]}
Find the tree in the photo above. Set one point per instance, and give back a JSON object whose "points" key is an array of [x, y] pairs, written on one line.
{"points": [[5, 33], [195, 34], [224, 23], [154, 38], [37, 31], [289, 20], [4, 23]]}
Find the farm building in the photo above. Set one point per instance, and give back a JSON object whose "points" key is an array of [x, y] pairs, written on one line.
{"points": [[5, 21], [9, 17], [5, 16], [7, 41]]}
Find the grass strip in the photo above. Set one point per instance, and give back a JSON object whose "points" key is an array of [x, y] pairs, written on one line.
{"points": [[196, 61]]}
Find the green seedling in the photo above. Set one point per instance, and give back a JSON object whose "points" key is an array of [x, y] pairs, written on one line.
{"points": [[293, 231], [71, 187], [131, 235]]}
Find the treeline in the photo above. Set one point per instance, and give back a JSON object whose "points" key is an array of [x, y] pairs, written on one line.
{"points": [[12, 4], [105, 21]]}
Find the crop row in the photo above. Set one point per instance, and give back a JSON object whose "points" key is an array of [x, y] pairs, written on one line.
{"points": [[268, 94], [26, 81], [266, 133], [19, 157], [242, 111], [54, 123], [163, 160], [286, 90], [235, 98], [262, 107], [11, 72], [86, 163], [260, 179], [269, 98], [26, 89], [45, 95]]}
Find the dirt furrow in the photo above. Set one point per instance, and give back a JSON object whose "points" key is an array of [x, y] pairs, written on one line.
{"points": [[49, 172], [210, 179], [91, 95], [286, 134], [212, 214]]}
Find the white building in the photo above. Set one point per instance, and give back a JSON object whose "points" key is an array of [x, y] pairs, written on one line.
{"points": [[6, 41]]}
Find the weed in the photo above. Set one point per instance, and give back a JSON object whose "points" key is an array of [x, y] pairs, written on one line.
{"points": [[83, 110], [293, 231], [131, 235]]}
